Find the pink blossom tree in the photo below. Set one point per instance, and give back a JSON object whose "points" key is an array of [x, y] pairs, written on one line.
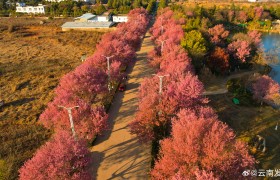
{"points": [[122, 52], [231, 15], [255, 37], [153, 118], [187, 92], [218, 33], [201, 145], [84, 82], [62, 157], [240, 49], [242, 16], [265, 89], [258, 12], [88, 121], [115, 69]]}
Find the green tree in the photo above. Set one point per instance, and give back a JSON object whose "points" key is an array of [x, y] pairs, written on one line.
{"points": [[115, 4], [136, 3], [100, 9], [85, 8], [151, 6], [194, 42], [110, 3], [65, 13], [196, 45], [162, 4]]}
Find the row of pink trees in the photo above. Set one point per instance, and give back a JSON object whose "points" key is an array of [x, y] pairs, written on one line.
{"points": [[194, 144], [88, 83], [66, 156]]}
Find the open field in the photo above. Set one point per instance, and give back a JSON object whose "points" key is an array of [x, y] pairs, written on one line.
{"points": [[33, 57]]}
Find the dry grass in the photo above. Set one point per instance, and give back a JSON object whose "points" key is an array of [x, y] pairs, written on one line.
{"points": [[33, 58]]}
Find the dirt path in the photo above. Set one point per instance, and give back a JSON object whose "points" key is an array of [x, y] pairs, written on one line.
{"points": [[221, 87], [117, 154]]}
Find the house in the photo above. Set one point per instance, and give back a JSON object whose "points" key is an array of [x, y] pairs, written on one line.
{"points": [[120, 18], [22, 8]]}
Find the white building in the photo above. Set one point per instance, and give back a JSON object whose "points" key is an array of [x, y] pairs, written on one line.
{"points": [[89, 17], [120, 18], [30, 9]]}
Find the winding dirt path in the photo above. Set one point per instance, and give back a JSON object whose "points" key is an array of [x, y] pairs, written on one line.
{"points": [[117, 154]]}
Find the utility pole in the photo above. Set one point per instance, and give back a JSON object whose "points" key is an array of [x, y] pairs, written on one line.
{"points": [[140, 15], [69, 110], [161, 29], [162, 44], [160, 88], [160, 82], [108, 68]]}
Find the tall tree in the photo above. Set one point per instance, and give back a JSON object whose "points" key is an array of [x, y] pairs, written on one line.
{"points": [[194, 42], [218, 34], [218, 61], [240, 49]]}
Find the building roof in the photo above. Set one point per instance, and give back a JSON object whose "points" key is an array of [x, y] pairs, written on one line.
{"points": [[86, 16], [87, 24]]}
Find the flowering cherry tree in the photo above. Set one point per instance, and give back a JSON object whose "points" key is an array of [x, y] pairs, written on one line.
{"points": [[240, 49], [201, 147], [84, 82], [265, 89], [218, 33], [62, 157], [88, 121], [255, 37]]}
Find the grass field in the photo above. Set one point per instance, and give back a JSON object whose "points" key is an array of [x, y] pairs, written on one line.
{"points": [[33, 57]]}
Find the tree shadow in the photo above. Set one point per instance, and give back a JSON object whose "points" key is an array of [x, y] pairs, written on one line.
{"points": [[97, 158], [19, 102]]}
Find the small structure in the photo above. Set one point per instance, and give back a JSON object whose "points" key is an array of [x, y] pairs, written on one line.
{"points": [[22, 8], [89, 21], [120, 18], [235, 101], [89, 17], [85, 17], [86, 25]]}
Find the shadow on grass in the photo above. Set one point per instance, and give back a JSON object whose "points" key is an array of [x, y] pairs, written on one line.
{"points": [[19, 102]]}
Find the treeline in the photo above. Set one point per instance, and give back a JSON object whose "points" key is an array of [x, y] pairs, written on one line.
{"points": [[71, 8], [189, 141]]}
